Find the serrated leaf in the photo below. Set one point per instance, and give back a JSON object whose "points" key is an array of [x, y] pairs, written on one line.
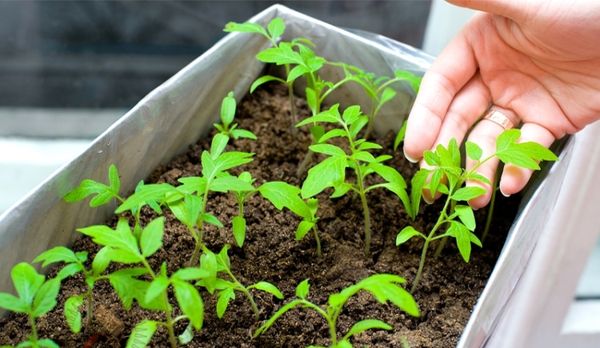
{"points": [[283, 54], [56, 254], [223, 301], [518, 159], [45, 298], [72, 313], [190, 302], [239, 229], [406, 234], [473, 150], [302, 289], [283, 195], [141, 334], [26, 281], [327, 149], [506, 138], [463, 239], [120, 238], [217, 146], [351, 114], [368, 324], [225, 161], [325, 174], [466, 216], [303, 228], [269, 288], [467, 193], [69, 271], [264, 79], [228, 106], [187, 211], [151, 238]]}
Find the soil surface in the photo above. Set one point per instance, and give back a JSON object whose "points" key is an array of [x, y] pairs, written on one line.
{"points": [[447, 294]]}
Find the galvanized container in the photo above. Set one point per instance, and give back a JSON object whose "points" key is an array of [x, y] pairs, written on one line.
{"points": [[182, 109]]}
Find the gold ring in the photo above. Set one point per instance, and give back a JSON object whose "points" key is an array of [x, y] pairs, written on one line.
{"points": [[499, 118]]}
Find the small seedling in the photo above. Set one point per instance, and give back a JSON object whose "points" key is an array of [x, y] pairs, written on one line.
{"points": [[239, 221], [283, 195], [384, 288], [227, 127], [446, 176], [214, 264], [36, 297], [331, 172], [73, 264], [103, 194]]}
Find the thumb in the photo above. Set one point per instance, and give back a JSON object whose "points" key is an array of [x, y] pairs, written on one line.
{"points": [[514, 9]]}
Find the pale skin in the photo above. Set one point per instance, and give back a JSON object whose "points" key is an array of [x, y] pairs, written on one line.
{"points": [[537, 60]]}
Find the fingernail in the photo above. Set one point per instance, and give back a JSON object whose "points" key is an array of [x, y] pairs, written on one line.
{"points": [[410, 159], [504, 194]]}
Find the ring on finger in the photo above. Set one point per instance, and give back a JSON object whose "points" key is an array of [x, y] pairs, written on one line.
{"points": [[500, 117]]}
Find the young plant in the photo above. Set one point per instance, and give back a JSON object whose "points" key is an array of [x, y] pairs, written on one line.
{"points": [[73, 264], [36, 297], [446, 176], [122, 246], [214, 264], [384, 287], [378, 88], [239, 221], [103, 194], [283, 195], [331, 172], [227, 127]]}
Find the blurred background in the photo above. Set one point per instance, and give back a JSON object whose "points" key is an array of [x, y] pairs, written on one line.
{"points": [[69, 69]]}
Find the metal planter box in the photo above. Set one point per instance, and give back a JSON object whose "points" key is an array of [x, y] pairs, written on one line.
{"points": [[551, 223]]}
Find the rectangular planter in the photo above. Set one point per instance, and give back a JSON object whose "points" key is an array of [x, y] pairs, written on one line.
{"points": [[182, 109]]}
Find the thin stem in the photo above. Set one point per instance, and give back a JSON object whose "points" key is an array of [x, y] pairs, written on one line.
{"points": [[199, 235], [34, 333], [490, 212], [317, 239], [308, 158], [169, 322], [371, 120], [245, 291], [90, 308], [331, 322], [443, 242]]}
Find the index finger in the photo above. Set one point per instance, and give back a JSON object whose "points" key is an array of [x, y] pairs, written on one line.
{"points": [[452, 69]]}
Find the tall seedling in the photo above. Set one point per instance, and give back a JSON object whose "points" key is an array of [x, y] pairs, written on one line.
{"points": [[446, 176], [331, 172]]}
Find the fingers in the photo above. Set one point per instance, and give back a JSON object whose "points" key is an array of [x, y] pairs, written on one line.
{"points": [[454, 67], [484, 134], [515, 178], [514, 9]]}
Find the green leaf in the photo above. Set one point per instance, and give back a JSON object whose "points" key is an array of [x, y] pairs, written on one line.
{"points": [[351, 114], [334, 133], [466, 216], [223, 301], [26, 281], [56, 254], [69, 271], [156, 288], [246, 27], [146, 194], [101, 260], [208, 263], [407, 233], [242, 133], [211, 219], [190, 273], [303, 228], [223, 258], [141, 334], [400, 135], [47, 343], [313, 103], [357, 126], [127, 287], [45, 298], [120, 238], [416, 193], [467, 193], [187, 211], [367, 145], [281, 311], [364, 325], [190, 302], [537, 151], [413, 80], [507, 138], [283, 195], [323, 175], [363, 156], [190, 185], [327, 149], [302, 289], [387, 95], [385, 287], [228, 106], [72, 313], [343, 344], [187, 336], [151, 238], [227, 160], [239, 229], [340, 189], [217, 146], [519, 159], [329, 116], [473, 150], [264, 79], [283, 54], [113, 179], [13, 303], [463, 239], [228, 183], [267, 287], [431, 158], [296, 72]]}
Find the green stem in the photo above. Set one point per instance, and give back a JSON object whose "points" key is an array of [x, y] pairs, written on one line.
{"points": [[90, 308], [331, 321], [169, 322], [490, 212], [308, 158], [371, 120], [365, 208], [317, 239], [443, 242], [245, 291], [34, 333], [199, 235]]}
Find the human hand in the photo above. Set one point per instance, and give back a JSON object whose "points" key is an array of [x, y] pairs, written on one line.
{"points": [[538, 61]]}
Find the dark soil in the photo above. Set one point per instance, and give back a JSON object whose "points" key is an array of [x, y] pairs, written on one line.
{"points": [[447, 294]]}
